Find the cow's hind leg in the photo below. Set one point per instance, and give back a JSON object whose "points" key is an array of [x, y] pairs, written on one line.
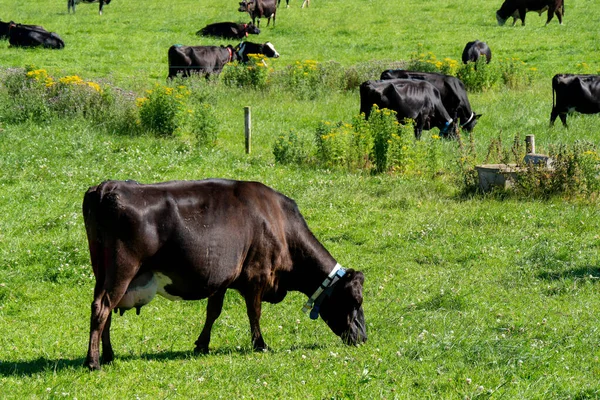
{"points": [[253, 308], [213, 310], [105, 300]]}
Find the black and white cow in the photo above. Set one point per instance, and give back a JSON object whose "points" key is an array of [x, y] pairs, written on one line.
{"points": [[572, 92], [71, 4], [33, 36], [418, 100], [259, 9], [452, 90], [229, 30], [476, 49], [518, 8], [207, 60]]}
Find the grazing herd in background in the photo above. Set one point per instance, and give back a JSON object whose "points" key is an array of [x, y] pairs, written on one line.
{"points": [[195, 240]]}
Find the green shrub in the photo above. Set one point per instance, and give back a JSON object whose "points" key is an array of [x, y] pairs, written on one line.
{"points": [[26, 96], [203, 124], [160, 110], [255, 73], [291, 149]]}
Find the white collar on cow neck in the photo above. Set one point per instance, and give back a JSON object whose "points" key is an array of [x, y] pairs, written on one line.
{"points": [[241, 49], [469, 120], [315, 300], [230, 54]]}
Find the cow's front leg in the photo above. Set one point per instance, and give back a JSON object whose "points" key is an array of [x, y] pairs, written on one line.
{"points": [[253, 307], [213, 310], [563, 118], [522, 13]]}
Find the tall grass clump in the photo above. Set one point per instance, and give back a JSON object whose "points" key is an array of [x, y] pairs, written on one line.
{"points": [[378, 145]]}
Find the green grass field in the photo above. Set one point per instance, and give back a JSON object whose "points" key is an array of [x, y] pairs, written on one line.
{"points": [[465, 297]]}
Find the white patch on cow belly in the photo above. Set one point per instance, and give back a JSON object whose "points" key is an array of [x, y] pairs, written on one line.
{"points": [[163, 281], [140, 292]]}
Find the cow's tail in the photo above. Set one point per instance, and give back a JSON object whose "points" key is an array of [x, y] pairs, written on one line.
{"points": [[554, 84], [97, 204]]}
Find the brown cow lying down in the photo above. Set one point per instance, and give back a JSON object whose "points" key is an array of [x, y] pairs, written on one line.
{"points": [[190, 240]]}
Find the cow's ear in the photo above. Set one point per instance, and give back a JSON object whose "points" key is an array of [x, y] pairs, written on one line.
{"points": [[477, 116], [355, 282]]}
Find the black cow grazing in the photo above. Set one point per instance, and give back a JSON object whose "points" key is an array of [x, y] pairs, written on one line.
{"points": [[518, 8], [71, 4], [259, 9], [229, 30], [476, 49], [190, 240], [207, 60], [571, 92], [33, 36], [418, 100], [452, 90]]}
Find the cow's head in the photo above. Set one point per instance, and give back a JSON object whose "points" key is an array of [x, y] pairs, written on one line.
{"points": [[342, 310], [470, 123], [269, 50], [501, 20], [246, 6], [252, 29]]}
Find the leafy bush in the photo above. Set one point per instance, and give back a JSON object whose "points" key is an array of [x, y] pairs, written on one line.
{"points": [[291, 149], [161, 109], [254, 73]]}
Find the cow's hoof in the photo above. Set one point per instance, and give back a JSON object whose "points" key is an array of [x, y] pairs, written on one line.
{"points": [[201, 349], [92, 366]]}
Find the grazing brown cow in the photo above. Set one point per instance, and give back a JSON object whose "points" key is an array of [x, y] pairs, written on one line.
{"points": [[259, 9], [518, 8], [191, 240]]}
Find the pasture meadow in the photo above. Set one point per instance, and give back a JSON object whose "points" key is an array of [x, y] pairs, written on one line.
{"points": [[467, 295]]}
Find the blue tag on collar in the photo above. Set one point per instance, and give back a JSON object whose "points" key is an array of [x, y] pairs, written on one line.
{"points": [[314, 313]]}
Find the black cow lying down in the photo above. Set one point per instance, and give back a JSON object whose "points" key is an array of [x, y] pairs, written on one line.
{"points": [[71, 4], [190, 240], [33, 36], [229, 30], [519, 8], [452, 90], [571, 92], [207, 60], [414, 99]]}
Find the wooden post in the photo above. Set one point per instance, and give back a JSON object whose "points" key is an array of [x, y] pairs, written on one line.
{"points": [[529, 144], [248, 128]]}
